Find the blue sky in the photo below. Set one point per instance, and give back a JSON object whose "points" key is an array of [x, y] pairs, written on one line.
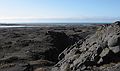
{"points": [[82, 10]]}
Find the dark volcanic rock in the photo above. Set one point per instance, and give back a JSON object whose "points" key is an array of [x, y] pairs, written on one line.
{"points": [[102, 48], [16, 67], [27, 49], [60, 41]]}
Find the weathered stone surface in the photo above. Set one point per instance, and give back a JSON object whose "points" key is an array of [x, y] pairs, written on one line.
{"points": [[104, 52], [99, 49], [115, 49], [113, 41], [101, 60]]}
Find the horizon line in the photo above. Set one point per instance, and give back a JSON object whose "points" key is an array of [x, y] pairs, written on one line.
{"points": [[45, 18]]}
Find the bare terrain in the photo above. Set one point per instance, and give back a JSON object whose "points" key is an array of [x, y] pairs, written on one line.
{"points": [[37, 48], [60, 48]]}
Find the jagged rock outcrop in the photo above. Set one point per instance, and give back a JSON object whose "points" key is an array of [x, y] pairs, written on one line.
{"points": [[102, 48]]}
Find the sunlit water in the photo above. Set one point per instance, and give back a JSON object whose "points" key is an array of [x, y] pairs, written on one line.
{"points": [[16, 26]]}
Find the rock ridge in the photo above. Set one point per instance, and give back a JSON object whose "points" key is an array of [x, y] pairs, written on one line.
{"points": [[100, 49]]}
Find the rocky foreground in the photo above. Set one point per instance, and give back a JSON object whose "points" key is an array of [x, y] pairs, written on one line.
{"points": [[99, 52], [61, 48], [37, 48]]}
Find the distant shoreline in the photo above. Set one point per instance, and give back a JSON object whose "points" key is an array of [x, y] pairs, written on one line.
{"points": [[10, 24]]}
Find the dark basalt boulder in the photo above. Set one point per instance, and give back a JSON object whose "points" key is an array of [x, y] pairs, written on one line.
{"points": [[101, 49]]}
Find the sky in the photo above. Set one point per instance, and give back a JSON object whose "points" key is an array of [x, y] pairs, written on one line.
{"points": [[59, 10]]}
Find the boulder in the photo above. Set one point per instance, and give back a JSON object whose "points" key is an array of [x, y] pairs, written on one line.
{"points": [[104, 52], [114, 40], [115, 49]]}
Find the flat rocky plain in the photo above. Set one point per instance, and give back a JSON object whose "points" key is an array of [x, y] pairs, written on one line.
{"points": [[61, 48]]}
